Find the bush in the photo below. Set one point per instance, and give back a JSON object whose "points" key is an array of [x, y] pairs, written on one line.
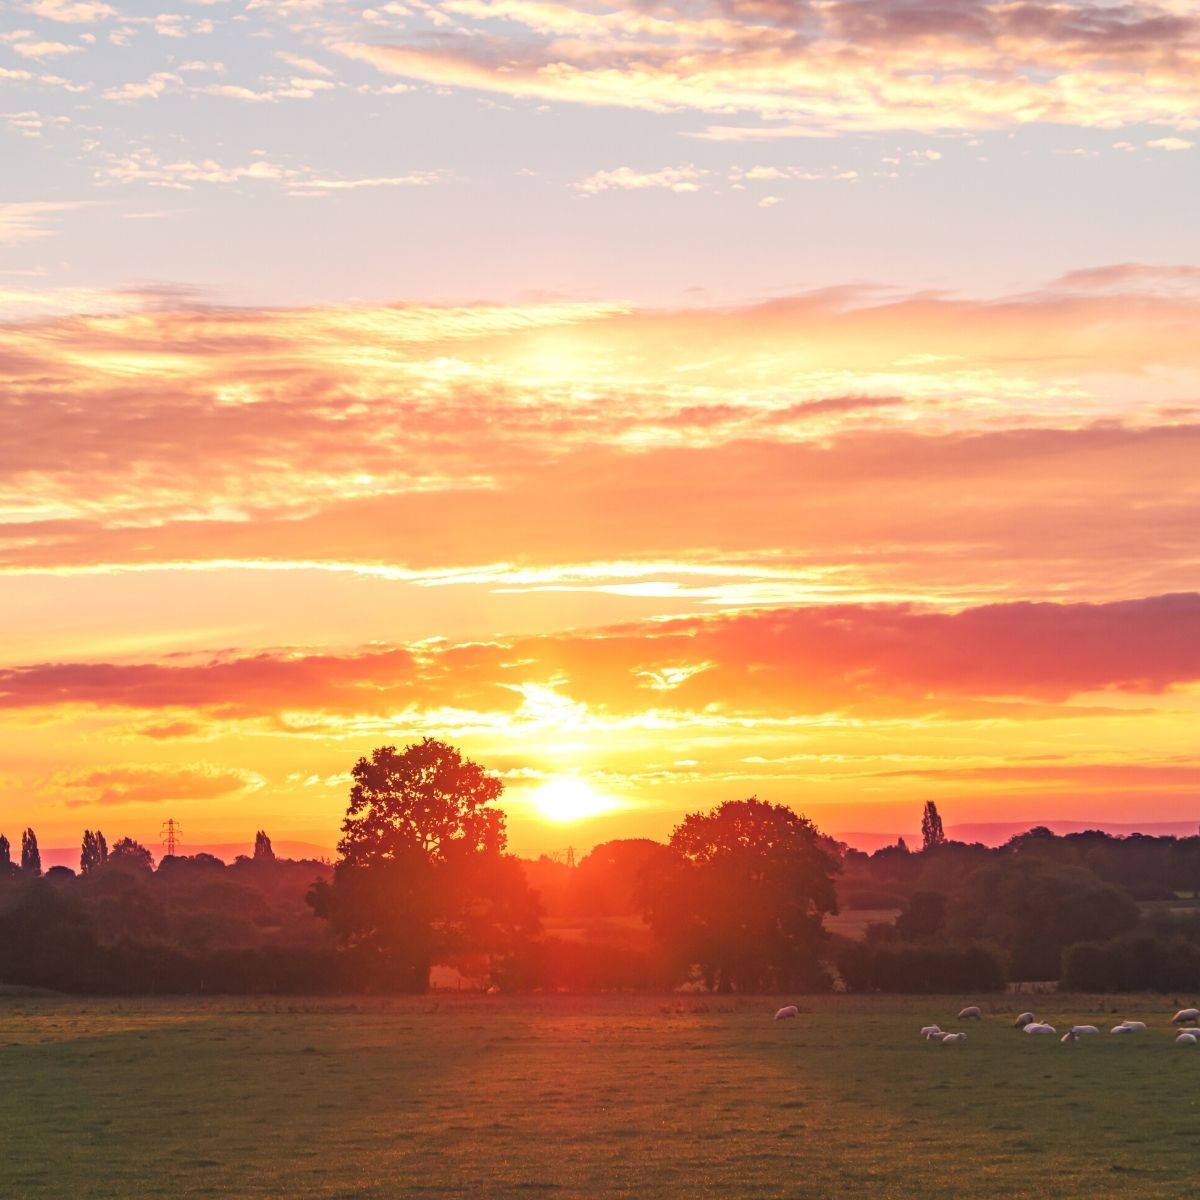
{"points": [[1136, 962], [921, 967]]}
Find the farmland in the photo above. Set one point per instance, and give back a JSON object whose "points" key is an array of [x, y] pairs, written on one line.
{"points": [[461, 1095]]}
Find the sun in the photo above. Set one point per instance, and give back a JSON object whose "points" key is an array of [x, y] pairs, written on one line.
{"points": [[568, 799]]}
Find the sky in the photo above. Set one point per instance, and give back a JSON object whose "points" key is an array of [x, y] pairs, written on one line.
{"points": [[665, 403]]}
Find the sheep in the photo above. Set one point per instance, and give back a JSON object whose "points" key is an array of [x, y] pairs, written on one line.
{"points": [[1134, 1026], [953, 1037], [1186, 1039], [926, 1030], [971, 1013], [1039, 1027], [1186, 1014], [786, 1013], [1069, 1036], [936, 1036], [1078, 1029], [1121, 1029], [1023, 1020]]}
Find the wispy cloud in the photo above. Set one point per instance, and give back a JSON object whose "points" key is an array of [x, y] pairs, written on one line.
{"points": [[672, 179], [71, 12], [32, 219], [804, 68]]}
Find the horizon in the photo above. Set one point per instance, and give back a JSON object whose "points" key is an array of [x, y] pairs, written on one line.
{"points": [[665, 405], [990, 834]]}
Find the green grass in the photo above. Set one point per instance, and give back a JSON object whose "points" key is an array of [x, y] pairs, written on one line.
{"points": [[586, 1097]]}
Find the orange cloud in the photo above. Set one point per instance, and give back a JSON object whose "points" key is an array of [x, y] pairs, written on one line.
{"points": [[419, 440], [137, 783], [873, 658]]}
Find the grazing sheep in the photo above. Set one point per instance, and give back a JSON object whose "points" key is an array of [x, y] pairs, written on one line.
{"points": [[1186, 1039], [1134, 1026], [926, 1030], [1069, 1036], [1186, 1014], [953, 1037], [1121, 1029], [1077, 1029], [1023, 1020], [970, 1014], [788, 1011], [936, 1036], [1039, 1027]]}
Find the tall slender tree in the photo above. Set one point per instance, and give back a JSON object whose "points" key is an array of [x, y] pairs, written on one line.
{"points": [[31, 856], [263, 851], [5, 853], [932, 833], [94, 852]]}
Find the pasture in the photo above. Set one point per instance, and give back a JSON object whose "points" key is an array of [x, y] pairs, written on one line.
{"points": [[587, 1097]]}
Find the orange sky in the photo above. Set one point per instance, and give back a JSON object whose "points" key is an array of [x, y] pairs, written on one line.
{"points": [[665, 402], [849, 550]]}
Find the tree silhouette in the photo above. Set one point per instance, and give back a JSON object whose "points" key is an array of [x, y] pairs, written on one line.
{"points": [[5, 853], [423, 872], [128, 853], [746, 898], [932, 833], [428, 800], [31, 856], [94, 852], [262, 848]]}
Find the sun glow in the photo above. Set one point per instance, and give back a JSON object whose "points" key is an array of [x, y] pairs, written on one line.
{"points": [[568, 799]]}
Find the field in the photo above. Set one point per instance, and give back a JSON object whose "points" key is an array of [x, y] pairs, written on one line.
{"points": [[589, 1097]]}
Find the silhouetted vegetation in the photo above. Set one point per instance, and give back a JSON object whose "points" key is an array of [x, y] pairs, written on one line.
{"points": [[736, 900], [744, 898], [932, 832], [423, 875], [921, 967]]}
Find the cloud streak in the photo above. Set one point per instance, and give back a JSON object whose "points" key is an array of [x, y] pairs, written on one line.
{"points": [[870, 660], [779, 436], [801, 68]]}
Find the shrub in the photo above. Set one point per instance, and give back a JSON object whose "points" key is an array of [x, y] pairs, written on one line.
{"points": [[1135, 962], [921, 967]]}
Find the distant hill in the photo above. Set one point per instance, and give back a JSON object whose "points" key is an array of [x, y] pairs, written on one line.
{"points": [[68, 856], [996, 833]]}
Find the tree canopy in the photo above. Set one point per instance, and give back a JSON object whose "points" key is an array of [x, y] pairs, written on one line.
{"points": [[426, 800], [746, 896], [423, 873]]}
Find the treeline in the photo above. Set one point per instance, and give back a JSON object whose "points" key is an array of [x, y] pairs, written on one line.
{"points": [[737, 900], [192, 925], [1092, 911]]}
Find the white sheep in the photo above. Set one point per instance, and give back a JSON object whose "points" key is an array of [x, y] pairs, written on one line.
{"points": [[1135, 1026], [1039, 1027], [953, 1037], [926, 1030], [788, 1012], [1186, 1014], [1121, 1029], [1078, 1029], [1186, 1039], [1069, 1036], [1023, 1020], [971, 1013], [936, 1036]]}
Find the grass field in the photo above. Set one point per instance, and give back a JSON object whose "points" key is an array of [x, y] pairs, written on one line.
{"points": [[588, 1097]]}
